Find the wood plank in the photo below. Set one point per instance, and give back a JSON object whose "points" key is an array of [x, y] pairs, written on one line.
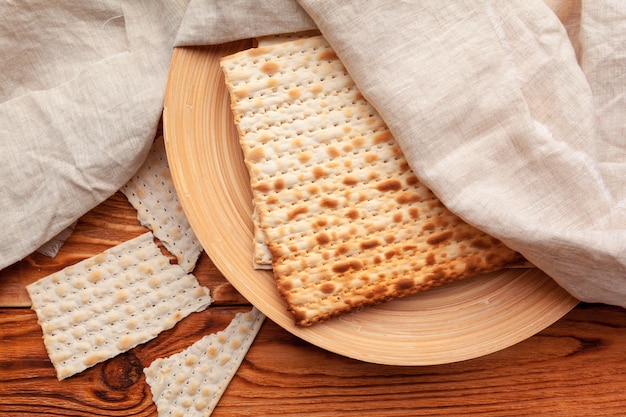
{"points": [[575, 367], [109, 224]]}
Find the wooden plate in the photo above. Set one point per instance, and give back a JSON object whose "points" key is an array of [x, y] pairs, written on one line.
{"points": [[452, 323]]}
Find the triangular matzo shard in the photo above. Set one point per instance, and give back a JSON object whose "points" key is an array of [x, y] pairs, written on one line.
{"points": [[347, 222]]}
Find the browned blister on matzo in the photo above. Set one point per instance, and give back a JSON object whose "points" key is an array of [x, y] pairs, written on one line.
{"points": [[347, 221]]}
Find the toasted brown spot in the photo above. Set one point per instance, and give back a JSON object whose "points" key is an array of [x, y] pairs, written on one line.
{"points": [[329, 202], [463, 234], [390, 254], [442, 221], [304, 157], [285, 286], [358, 142], [390, 238], [95, 276], [270, 67], [439, 238], [414, 213], [369, 244], [319, 172], [350, 180], [333, 151], [389, 185], [352, 214], [297, 211], [404, 166], [321, 222], [95, 358], [256, 154], [279, 184], [428, 226], [472, 264], [328, 288], [404, 284], [272, 82], [341, 267], [241, 92], [430, 259], [342, 250], [408, 198], [327, 55], [433, 204], [262, 187], [252, 52], [322, 238], [409, 248], [125, 343], [438, 276], [294, 93], [272, 199], [316, 89], [412, 180], [397, 217], [480, 243], [382, 137], [377, 259], [265, 137], [370, 157]]}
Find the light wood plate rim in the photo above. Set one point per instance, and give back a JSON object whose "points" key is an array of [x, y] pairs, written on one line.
{"points": [[456, 322]]}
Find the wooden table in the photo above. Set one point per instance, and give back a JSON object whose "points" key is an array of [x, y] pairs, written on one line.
{"points": [[576, 367]]}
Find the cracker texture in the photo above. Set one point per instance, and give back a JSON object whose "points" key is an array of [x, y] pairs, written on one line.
{"points": [[105, 305], [151, 192], [347, 222], [190, 383]]}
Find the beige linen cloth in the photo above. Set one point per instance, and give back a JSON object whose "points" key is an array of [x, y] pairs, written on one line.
{"points": [[513, 113]]}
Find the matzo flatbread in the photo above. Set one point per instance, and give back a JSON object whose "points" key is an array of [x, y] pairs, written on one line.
{"points": [[347, 222], [107, 304], [151, 192], [190, 383]]}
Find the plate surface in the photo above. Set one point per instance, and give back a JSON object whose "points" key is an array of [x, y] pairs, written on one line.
{"points": [[456, 322]]}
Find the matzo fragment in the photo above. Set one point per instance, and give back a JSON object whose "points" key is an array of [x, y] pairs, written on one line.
{"points": [[151, 192], [105, 305], [190, 383], [51, 248], [347, 222], [285, 37]]}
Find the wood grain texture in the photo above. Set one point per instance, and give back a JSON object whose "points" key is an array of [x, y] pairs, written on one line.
{"points": [[575, 367]]}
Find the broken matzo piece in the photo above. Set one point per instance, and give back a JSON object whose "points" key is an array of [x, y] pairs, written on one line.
{"points": [[151, 192], [190, 383], [347, 222], [261, 256], [107, 304], [51, 248]]}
